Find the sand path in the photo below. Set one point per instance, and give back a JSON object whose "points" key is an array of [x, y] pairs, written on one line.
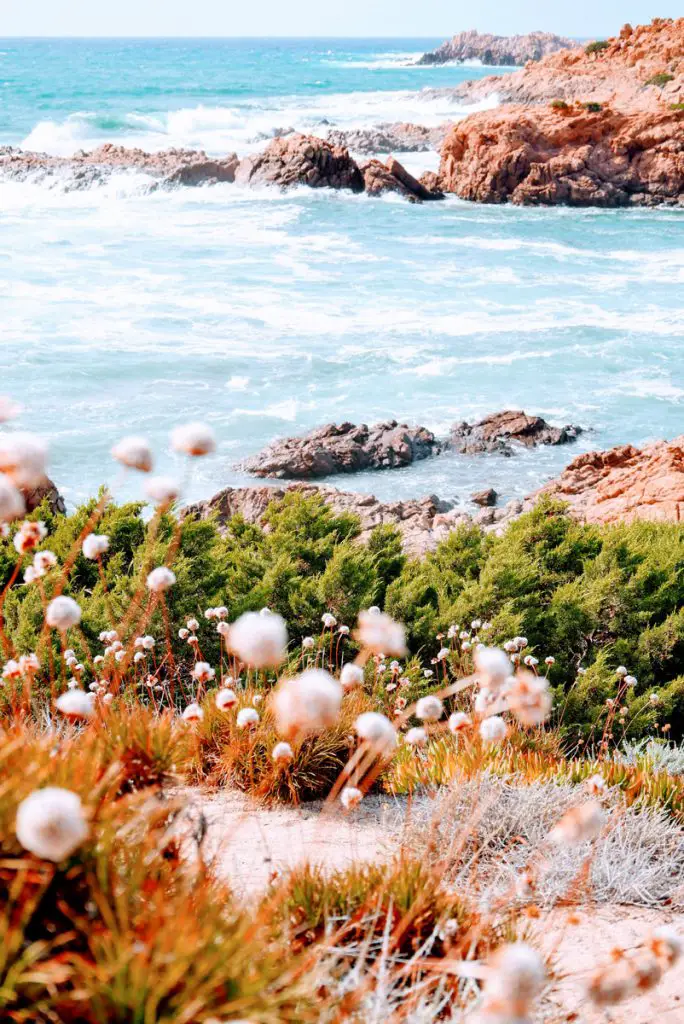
{"points": [[249, 843]]}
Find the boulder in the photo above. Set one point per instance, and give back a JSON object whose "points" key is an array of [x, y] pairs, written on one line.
{"points": [[506, 51], [496, 432], [545, 156], [625, 483], [393, 177], [343, 448], [484, 498], [35, 496], [301, 160]]}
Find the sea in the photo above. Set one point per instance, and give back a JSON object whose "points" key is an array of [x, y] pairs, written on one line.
{"points": [[127, 309]]}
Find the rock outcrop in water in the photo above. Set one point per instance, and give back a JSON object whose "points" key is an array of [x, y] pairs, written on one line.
{"points": [[640, 69], [536, 157], [393, 177], [82, 170], [505, 51], [301, 160], [625, 483], [495, 433], [343, 448]]}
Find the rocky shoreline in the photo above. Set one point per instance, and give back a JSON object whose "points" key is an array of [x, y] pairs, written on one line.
{"points": [[601, 125], [618, 485]]}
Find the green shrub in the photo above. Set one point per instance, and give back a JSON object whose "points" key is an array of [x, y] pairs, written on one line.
{"points": [[660, 79], [677, 106], [593, 108], [559, 105], [597, 47]]}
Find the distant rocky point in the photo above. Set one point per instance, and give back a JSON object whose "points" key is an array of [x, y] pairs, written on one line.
{"points": [[498, 51]]}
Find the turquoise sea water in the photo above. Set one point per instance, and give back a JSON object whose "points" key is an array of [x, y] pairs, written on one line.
{"points": [[268, 313]]}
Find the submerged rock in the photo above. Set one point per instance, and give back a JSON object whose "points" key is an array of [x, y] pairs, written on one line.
{"points": [[343, 448], [485, 498], [496, 432], [504, 51]]}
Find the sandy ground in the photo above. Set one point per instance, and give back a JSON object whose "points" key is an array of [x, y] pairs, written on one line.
{"points": [[248, 843]]}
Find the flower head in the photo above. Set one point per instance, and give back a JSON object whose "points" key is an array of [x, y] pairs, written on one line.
{"points": [[225, 698], [379, 633], [75, 703], [162, 489], [12, 504], [193, 439], [351, 676], [203, 672], [62, 613], [529, 698], [51, 823], [493, 730], [307, 703], [95, 545], [416, 737], [377, 731], [282, 753], [193, 713], [29, 535], [429, 709], [578, 824], [329, 621], [459, 721], [160, 579], [350, 797], [22, 459], [247, 718], [133, 452], [259, 641]]}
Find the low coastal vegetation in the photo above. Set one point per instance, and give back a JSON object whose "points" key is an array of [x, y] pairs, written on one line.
{"points": [[523, 685]]}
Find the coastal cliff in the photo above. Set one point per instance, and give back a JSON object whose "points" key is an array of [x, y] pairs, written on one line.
{"points": [[601, 125], [502, 51]]}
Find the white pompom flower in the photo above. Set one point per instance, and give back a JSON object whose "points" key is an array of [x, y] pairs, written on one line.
{"points": [[163, 489], [307, 704], [350, 797], [160, 579], [12, 504], [193, 439], [134, 453], [95, 545], [225, 698], [247, 718], [62, 613], [493, 730], [203, 672], [377, 731], [259, 641], [193, 713], [75, 704], [380, 634], [416, 737], [22, 458], [492, 665], [429, 709], [51, 823], [351, 676], [282, 753]]}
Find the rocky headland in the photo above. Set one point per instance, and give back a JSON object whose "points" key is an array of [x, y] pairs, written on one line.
{"points": [[601, 125], [642, 68], [350, 448], [502, 51]]}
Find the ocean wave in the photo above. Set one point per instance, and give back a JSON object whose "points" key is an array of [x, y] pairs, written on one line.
{"points": [[242, 127]]}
